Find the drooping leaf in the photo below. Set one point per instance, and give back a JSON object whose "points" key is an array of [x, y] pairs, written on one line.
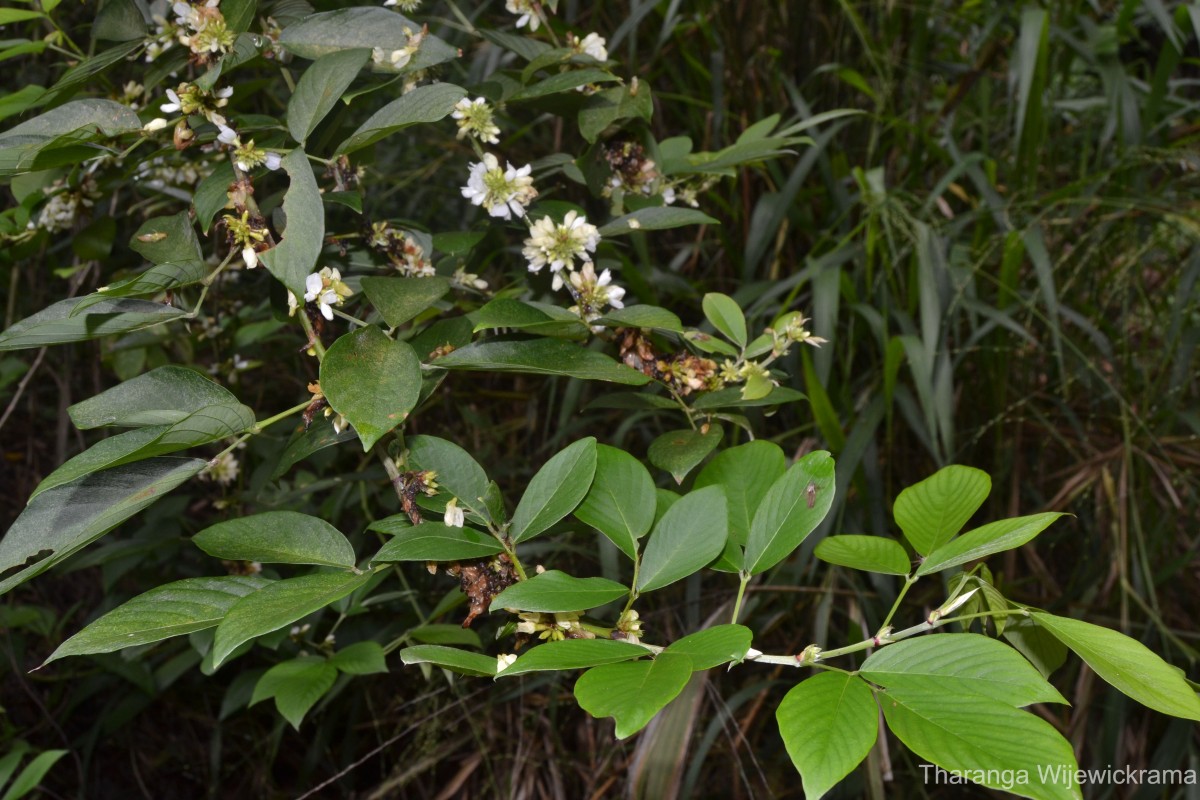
{"points": [[428, 103], [726, 316], [58, 324], [450, 658], [714, 646], [995, 537], [867, 553], [61, 521], [360, 658], [281, 603], [690, 534], [678, 452], [295, 257], [372, 380], [746, 472], [319, 88], [557, 591], [52, 138], [541, 357], [296, 685], [192, 604], [573, 654], [457, 472], [400, 299], [162, 396], [1134, 669], [620, 503], [436, 541], [828, 723], [932, 511], [277, 537], [634, 691], [791, 510], [555, 490]]}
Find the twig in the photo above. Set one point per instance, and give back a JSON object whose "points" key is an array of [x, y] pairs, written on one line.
{"points": [[21, 386]]}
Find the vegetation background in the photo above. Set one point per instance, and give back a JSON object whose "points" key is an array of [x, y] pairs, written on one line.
{"points": [[1003, 254]]}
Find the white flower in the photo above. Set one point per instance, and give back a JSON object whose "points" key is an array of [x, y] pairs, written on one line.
{"points": [[227, 92], [593, 293], [174, 105], [326, 289], [223, 469], [467, 280], [250, 257], [454, 515], [591, 45], [293, 304], [504, 661], [560, 245], [502, 192], [475, 117], [528, 15], [156, 124], [228, 135], [668, 195], [272, 161]]}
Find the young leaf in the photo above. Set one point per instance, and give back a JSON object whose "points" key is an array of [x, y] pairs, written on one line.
{"points": [[555, 490], [985, 740], [995, 537], [690, 534], [192, 604], [634, 691], [436, 541], [726, 316], [281, 603], [296, 255], [792, 508], [277, 537], [866, 553], [400, 299], [747, 472], [932, 511], [714, 646], [372, 380], [541, 357], [829, 723], [621, 501], [678, 452], [63, 520], [162, 396], [1134, 669], [296, 685], [360, 658], [450, 658], [319, 88], [557, 591], [656, 218], [573, 654], [428, 103], [965, 663], [59, 324], [457, 472]]}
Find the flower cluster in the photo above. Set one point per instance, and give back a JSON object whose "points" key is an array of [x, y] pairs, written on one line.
{"points": [[188, 99], [407, 6], [202, 29], [503, 192], [65, 205], [156, 173], [398, 59], [629, 627], [790, 328], [467, 280], [553, 627], [591, 45], [250, 234], [634, 173], [527, 13], [558, 245], [325, 288], [404, 252], [339, 422], [476, 118], [223, 469], [593, 293]]}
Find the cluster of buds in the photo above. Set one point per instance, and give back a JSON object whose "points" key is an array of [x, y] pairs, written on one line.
{"points": [[398, 59], [202, 29], [477, 119], [789, 329], [188, 99], [404, 253], [65, 205], [326, 289], [409, 485], [553, 627], [249, 234], [629, 627]]}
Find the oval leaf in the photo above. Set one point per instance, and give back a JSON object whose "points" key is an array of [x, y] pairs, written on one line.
{"points": [[714, 646], [573, 654], [866, 553], [746, 472], [371, 380], [690, 534], [541, 357], [632, 692], [296, 685], [621, 501], [360, 658], [277, 537], [296, 255], [555, 490], [678, 452], [656, 218], [457, 472], [792, 508], [436, 541], [428, 103], [450, 658], [932, 511], [828, 723], [319, 88], [726, 316], [554, 591], [995, 537], [400, 299]]}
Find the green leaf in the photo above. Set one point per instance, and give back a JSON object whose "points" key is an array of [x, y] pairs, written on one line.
{"points": [[51, 139], [281, 603], [714, 646], [573, 654], [296, 685], [351, 28], [306, 442], [792, 509], [603, 108], [828, 723], [206, 425], [555, 490], [564, 82], [985, 740], [656, 218], [163, 240], [192, 604], [1134, 669], [1037, 644], [450, 658], [644, 317], [277, 537], [541, 357], [372, 380], [746, 472], [866, 553], [17, 102], [31, 777], [995, 537], [162, 396], [457, 472], [400, 299], [61, 521], [554, 591], [621, 502], [59, 324], [445, 634], [434, 541], [637, 401], [428, 103], [732, 398], [634, 691], [11, 15], [295, 257], [678, 452], [360, 658], [726, 316], [529, 318], [959, 663], [319, 88], [212, 194], [932, 511], [690, 534], [159, 278]]}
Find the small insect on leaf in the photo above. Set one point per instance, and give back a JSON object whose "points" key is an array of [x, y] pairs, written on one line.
{"points": [[152, 237], [811, 491]]}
